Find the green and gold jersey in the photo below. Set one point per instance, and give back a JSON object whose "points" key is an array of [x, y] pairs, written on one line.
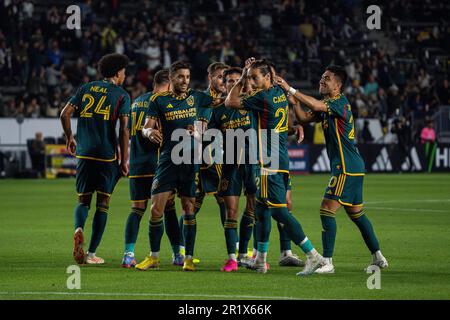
{"points": [[176, 113], [270, 110], [143, 153], [224, 118], [99, 105], [339, 130], [204, 114]]}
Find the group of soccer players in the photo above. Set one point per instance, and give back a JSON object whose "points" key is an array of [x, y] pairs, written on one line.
{"points": [[251, 98]]}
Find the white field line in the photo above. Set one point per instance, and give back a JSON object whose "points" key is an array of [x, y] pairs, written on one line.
{"points": [[407, 209], [118, 294], [408, 201]]}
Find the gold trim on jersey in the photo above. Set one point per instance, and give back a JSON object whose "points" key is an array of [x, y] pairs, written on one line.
{"points": [[341, 151], [159, 94], [141, 176], [97, 159]]}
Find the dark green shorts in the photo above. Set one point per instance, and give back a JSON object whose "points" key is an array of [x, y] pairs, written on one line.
{"points": [[348, 190], [209, 179], [97, 176], [169, 177], [141, 188], [272, 188], [234, 178]]}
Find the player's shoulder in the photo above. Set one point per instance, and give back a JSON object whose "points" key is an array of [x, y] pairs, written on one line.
{"points": [[156, 97], [256, 93], [340, 98], [145, 96]]}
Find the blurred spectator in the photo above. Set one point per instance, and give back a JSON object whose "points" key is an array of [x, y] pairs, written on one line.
{"points": [[443, 93], [33, 109], [428, 133], [37, 154], [366, 135]]}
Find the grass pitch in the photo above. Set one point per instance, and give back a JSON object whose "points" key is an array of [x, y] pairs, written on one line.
{"points": [[410, 214]]}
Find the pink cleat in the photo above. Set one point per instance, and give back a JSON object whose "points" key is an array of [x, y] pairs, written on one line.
{"points": [[230, 265]]}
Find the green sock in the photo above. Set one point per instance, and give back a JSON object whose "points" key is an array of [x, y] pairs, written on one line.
{"points": [[291, 225], [230, 227], [328, 232], [222, 209], [181, 227], [198, 202], [172, 229], [285, 241], [190, 230], [245, 230], [132, 228], [364, 225], [155, 233], [80, 215], [264, 224], [98, 226]]}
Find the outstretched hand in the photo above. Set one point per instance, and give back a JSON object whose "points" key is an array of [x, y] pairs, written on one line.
{"points": [[281, 82]]}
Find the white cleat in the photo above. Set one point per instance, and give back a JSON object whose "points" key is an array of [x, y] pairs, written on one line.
{"points": [[93, 259], [312, 264], [378, 260], [327, 267], [290, 260]]}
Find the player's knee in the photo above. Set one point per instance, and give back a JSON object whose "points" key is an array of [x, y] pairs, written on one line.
{"points": [[354, 212], [188, 206], [156, 210], [141, 205], [232, 213], [85, 200], [102, 199]]}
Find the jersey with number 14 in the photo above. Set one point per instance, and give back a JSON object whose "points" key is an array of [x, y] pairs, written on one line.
{"points": [[99, 104], [143, 153], [339, 131]]}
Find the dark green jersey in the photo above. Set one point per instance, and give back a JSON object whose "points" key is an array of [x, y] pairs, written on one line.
{"points": [[99, 104], [204, 114], [224, 118], [270, 109], [339, 131], [143, 153], [176, 113]]}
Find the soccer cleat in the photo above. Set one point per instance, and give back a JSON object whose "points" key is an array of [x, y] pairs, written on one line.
{"points": [[78, 252], [128, 260], [230, 265], [328, 267], [178, 260], [244, 261], [378, 260], [183, 253], [291, 260], [148, 263], [93, 259], [188, 265], [312, 264], [260, 267]]}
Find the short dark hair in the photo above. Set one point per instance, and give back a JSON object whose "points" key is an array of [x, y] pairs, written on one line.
{"points": [[213, 67], [339, 72], [231, 70], [264, 66], [177, 65], [112, 63], [161, 77]]}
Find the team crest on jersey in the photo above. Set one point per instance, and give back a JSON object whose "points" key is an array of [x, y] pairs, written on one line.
{"points": [[243, 112], [190, 101]]}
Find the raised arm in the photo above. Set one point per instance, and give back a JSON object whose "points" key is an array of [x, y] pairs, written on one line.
{"points": [[65, 116], [310, 102], [233, 99]]}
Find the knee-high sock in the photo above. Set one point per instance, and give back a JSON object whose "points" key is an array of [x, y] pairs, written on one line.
{"points": [[181, 227], [198, 202], [364, 225], [190, 231], [293, 228], [230, 229], [285, 241], [263, 227], [155, 233], [132, 228], [172, 228], [328, 232], [222, 209], [98, 226], [80, 215], [245, 230]]}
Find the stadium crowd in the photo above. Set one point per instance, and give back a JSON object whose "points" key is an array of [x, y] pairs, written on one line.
{"points": [[403, 71]]}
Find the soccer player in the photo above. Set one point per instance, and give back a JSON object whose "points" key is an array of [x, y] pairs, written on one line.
{"points": [[270, 107], [209, 174], [176, 109], [347, 166], [99, 105], [143, 161]]}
